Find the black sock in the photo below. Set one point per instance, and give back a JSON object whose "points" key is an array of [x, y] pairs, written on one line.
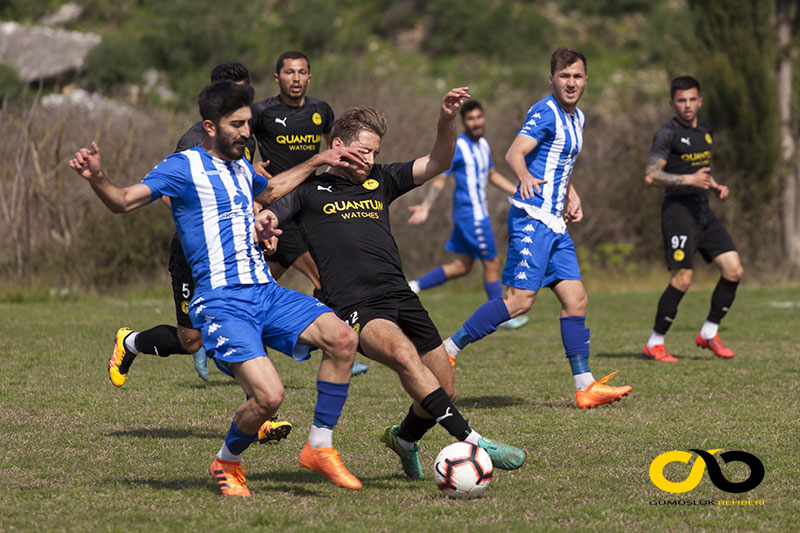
{"points": [[722, 299], [161, 340], [439, 406], [667, 309], [413, 427]]}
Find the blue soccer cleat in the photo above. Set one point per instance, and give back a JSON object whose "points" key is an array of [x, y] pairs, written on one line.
{"points": [[503, 456], [514, 323], [359, 368], [408, 458]]}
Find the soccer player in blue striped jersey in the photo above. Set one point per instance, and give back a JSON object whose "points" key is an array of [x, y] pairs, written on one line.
{"points": [[472, 237], [237, 305], [540, 250]]}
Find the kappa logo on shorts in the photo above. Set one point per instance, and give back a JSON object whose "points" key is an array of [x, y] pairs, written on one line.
{"points": [[529, 227], [199, 310], [521, 275], [524, 264], [705, 460], [525, 251], [527, 240], [213, 327], [230, 352], [679, 255], [221, 340]]}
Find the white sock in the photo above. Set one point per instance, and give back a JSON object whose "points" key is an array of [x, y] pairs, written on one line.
{"points": [[709, 330], [407, 445], [130, 343], [655, 339], [451, 348], [473, 437], [224, 454], [320, 437], [583, 380], [414, 286]]}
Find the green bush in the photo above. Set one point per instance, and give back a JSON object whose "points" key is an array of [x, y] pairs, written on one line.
{"points": [[10, 84]]}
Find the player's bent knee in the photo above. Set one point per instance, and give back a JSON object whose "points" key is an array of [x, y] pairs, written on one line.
{"points": [[266, 402], [191, 340]]}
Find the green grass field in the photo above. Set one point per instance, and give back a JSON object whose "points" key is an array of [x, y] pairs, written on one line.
{"points": [[78, 454]]}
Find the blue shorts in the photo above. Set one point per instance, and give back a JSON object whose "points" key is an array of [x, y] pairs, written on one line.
{"points": [[473, 238], [537, 256], [236, 322]]}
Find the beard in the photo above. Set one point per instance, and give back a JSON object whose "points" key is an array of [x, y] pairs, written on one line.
{"points": [[230, 147]]}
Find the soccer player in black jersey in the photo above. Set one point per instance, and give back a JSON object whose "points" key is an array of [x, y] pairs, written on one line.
{"points": [[289, 128], [680, 162], [345, 218]]}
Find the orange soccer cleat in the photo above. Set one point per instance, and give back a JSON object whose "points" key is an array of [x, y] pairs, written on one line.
{"points": [[230, 478], [598, 393], [715, 345], [659, 353], [121, 359], [326, 461]]}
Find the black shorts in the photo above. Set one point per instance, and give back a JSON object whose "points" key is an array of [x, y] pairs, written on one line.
{"points": [[182, 282], [291, 245], [688, 225], [402, 308]]}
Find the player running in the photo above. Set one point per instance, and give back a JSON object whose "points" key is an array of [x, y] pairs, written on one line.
{"points": [[472, 237], [540, 249], [345, 215], [289, 128], [237, 305], [680, 163]]}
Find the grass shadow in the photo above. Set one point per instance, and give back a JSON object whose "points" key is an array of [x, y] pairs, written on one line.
{"points": [[164, 433], [489, 402]]}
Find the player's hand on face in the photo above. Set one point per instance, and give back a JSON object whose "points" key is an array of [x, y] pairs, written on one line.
{"points": [[261, 168], [451, 102], [86, 162], [420, 214], [344, 156], [266, 226], [528, 184]]}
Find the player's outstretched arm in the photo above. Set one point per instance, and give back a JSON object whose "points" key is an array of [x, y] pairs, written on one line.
{"points": [[341, 156], [441, 155], [118, 199], [501, 182], [420, 212], [515, 157], [654, 175]]}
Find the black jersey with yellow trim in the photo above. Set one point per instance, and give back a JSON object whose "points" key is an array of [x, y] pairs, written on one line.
{"points": [[685, 149], [347, 229], [194, 137], [289, 135]]}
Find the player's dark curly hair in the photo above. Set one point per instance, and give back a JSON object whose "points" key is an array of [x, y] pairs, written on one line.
{"points": [[564, 57], [291, 54], [470, 105], [357, 119], [221, 98], [230, 71], [683, 83]]}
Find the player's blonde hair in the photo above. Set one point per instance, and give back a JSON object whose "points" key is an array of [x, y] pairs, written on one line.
{"points": [[357, 119]]}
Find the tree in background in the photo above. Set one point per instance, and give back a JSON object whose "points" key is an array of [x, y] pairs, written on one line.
{"points": [[787, 23]]}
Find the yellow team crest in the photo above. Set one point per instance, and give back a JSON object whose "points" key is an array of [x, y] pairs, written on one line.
{"points": [[678, 255], [371, 185], [185, 307], [708, 138], [316, 118], [247, 154]]}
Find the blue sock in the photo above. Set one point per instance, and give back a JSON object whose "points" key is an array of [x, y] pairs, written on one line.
{"points": [[575, 337], [433, 278], [237, 441], [482, 322], [330, 401], [494, 289]]}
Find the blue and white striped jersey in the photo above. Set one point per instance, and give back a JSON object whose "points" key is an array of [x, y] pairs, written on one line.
{"points": [[559, 137], [212, 205], [470, 168]]}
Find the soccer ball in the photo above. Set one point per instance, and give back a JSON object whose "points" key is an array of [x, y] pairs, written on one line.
{"points": [[462, 470]]}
